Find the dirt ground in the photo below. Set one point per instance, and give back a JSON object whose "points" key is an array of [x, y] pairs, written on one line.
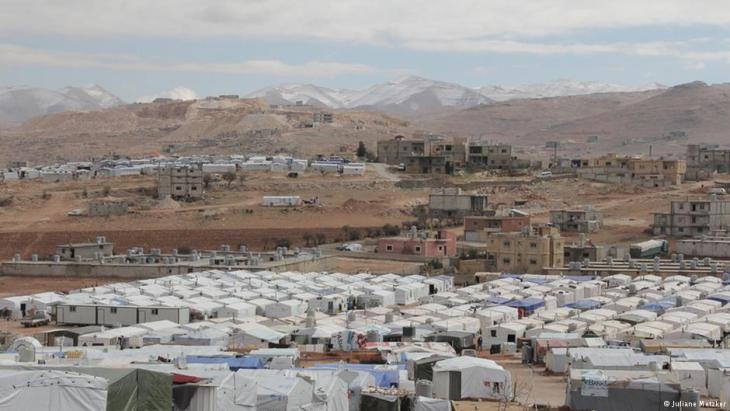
{"points": [[35, 219]]}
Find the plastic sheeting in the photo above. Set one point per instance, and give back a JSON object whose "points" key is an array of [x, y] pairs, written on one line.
{"points": [[385, 375], [50, 390], [480, 378], [234, 363]]}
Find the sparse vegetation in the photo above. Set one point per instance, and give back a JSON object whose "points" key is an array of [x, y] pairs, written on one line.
{"points": [[229, 178]]}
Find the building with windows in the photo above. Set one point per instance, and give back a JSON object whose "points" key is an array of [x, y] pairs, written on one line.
{"points": [[636, 170], [454, 203], [420, 243], [587, 220], [478, 228], [180, 182], [705, 160], [691, 218], [529, 251]]}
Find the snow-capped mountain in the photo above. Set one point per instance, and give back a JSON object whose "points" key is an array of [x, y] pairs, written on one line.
{"points": [[408, 94], [18, 104], [414, 95], [559, 88]]}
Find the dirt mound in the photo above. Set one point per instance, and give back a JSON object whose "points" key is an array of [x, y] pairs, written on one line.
{"points": [[352, 205], [167, 203]]}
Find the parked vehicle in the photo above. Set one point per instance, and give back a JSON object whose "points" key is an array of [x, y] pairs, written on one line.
{"points": [[354, 247], [718, 191], [545, 174], [37, 319]]}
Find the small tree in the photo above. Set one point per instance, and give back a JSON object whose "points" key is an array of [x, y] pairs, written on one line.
{"points": [[106, 191], [307, 237], [320, 238], [362, 151], [229, 178], [354, 235], [206, 181], [283, 242]]}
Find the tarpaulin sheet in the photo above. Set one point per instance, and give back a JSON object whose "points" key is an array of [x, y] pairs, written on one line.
{"points": [[28, 390], [385, 375], [234, 363]]}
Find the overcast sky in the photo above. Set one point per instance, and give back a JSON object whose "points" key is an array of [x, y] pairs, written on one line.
{"points": [[140, 48]]}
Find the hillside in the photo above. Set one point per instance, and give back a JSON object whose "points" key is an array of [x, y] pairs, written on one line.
{"points": [[630, 122], [18, 104], [214, 125]]}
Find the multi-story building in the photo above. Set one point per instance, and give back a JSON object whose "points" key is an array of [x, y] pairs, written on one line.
{"points": [[587, 220], [180, 182], [83, 251], [434, 155], [612, 168], [478, 228], [397, 150], [705, 160], [583, 250], [528, 251], [419, 243], [455, 204], [322, 117], [490, 156], [691, 218]]}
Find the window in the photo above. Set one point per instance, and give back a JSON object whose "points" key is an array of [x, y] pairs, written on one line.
{"points": [[505, 244], [194, 188], [506, 261], [388, 247], [493, 333], [418, 248], [113, 310], [178, 188], [533, 245], [510, 338], [72, 308], [155, 311]]}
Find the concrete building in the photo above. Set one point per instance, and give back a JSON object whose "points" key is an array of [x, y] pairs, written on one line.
{"points": [[180, 182], [399, 149], [453, 203], [691, 218], [322, 117], [715, 245], [587, 220], [705, 160], [445, 156], [645, 172], [85, 251], [478, 228], [583, 250], [529, 251], [107, 208], [419, 243]]}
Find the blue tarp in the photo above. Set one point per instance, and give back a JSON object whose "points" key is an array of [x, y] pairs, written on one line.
{"points": [[724, 299], [584, 304], [658, 307], [234, 363], [529, 304], [385, 375]]}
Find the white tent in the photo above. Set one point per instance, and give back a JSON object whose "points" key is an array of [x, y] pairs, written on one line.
{"points": [[472, 377], [281, 393], [51, 390]]}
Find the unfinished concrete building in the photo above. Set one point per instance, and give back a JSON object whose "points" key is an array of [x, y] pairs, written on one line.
{"points": [[586, 220], [397, 150], [180, 182], [705, 160], [583, 250], [322, 117], [529, 251], [645, 172], [435, 155], [455, 204], [478, 228], [692, 218]]}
